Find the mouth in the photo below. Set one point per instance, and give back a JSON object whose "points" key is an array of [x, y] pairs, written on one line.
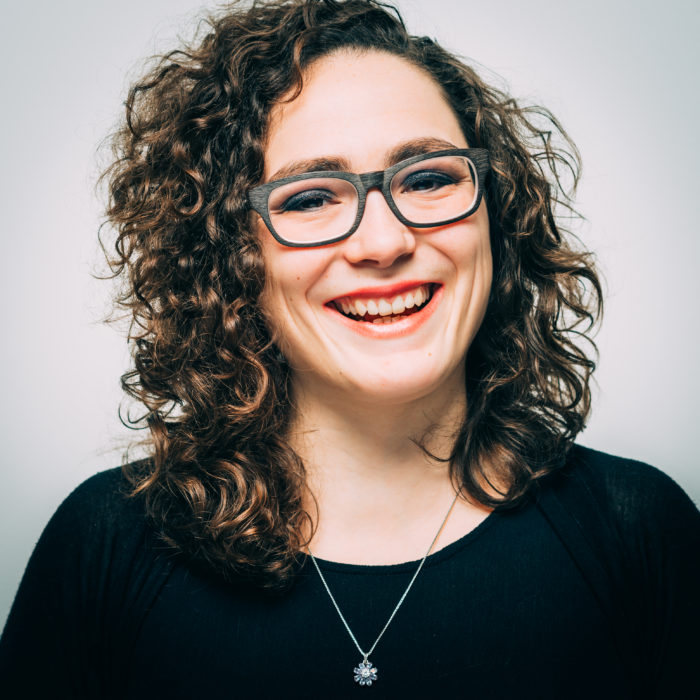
{"points": [[385, 310]]}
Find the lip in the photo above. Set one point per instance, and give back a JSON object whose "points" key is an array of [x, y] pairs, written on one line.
{"points": [[387, 290], [410, 324]]}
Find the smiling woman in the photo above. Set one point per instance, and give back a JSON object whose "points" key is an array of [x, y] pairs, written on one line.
{"points": [[361, 336]]}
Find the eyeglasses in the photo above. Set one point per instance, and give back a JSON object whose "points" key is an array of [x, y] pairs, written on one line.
{"points": [[318, 208]]}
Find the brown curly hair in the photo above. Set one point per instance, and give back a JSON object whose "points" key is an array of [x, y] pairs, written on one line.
{"points": [[222, 485]]}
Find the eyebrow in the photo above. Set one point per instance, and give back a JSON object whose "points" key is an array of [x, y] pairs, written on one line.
{"points": [[415, 147], [408, 149], [310, 165]]}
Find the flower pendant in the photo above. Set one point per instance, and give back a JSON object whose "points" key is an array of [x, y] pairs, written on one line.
{"points": [[365, 673]]}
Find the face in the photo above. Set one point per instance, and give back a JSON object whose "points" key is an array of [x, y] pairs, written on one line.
{"points": [[360, 110]]}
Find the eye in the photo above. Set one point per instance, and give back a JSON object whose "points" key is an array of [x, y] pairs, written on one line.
{"points": [[307, 201], [427, 181]]}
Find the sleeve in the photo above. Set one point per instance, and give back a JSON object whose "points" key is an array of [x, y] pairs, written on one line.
{"points": [[636, 537], [79, 599], [666, 553]]}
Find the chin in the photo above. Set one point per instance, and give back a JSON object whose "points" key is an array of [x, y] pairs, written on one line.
{"points": [[403, 384]]}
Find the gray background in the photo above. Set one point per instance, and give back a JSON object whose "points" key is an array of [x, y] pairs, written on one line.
{"points": [[620, 75]]}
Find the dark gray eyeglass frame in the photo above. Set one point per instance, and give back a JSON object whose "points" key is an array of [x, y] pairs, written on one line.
{"points": [[259, 197]]}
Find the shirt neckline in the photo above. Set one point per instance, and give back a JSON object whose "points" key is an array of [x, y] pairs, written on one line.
{"points": [[433, 559]]}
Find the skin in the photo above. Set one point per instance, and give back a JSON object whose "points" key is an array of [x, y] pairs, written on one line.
{"points": [[362, 399]]}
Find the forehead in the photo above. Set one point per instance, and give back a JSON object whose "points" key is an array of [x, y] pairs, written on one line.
{"points": [[358, 107]]}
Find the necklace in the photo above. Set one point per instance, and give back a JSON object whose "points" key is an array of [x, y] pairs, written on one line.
{"points": [[365, 673]]}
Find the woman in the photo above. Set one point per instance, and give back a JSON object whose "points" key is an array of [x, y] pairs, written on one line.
{"points": [[354, 323]]}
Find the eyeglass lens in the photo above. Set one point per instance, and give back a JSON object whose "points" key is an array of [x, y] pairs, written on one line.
{"points": [[323, 208]]}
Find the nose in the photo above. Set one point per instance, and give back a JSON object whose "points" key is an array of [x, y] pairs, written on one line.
{"points": [[380, 239]]}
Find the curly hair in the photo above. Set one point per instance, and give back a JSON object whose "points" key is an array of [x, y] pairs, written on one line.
{"points": [[222, 484]]}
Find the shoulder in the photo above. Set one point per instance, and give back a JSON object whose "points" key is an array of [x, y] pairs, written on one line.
{"points": [[89, 583], [99, 526], [627, 494], [635, 535], [102, 501], [98, 541], [627, 483]]}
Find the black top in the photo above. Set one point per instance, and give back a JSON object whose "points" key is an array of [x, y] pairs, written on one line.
{"points": [[589, 590]]}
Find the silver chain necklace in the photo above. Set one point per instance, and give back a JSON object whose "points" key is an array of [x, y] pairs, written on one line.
{"points": [[365, 673]]}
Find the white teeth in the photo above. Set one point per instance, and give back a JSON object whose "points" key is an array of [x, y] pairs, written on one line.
{"points": [[398, 307], [385, 308], [387, 311]]}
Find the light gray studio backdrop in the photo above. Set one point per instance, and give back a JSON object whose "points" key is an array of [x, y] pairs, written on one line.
{"points": [[620, 74]]}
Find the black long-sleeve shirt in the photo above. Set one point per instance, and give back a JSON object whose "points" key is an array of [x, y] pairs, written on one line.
{"points": [[589, 590]]}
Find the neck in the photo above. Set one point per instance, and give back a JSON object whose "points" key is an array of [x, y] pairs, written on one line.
{"points": [[369, 466], [335, 434]]}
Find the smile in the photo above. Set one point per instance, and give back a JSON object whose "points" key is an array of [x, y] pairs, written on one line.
{"points": [[385, 309]]}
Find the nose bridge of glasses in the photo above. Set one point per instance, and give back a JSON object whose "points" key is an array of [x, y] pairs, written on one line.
{"points": [[373, 179]]}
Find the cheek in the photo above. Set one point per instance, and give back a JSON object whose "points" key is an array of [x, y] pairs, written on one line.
{"points": [[278, 285], [480, 246], [469, 248], [482, 275], [290, 276], [485, 261]]}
